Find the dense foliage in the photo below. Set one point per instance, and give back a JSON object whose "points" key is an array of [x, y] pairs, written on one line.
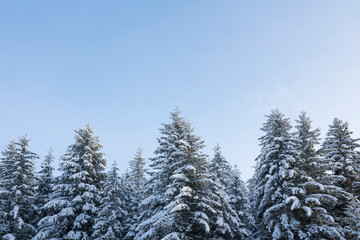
{"points": [[302, 188]]}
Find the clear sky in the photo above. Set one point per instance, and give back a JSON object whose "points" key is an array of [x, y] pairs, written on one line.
{"points": [[122, 66]]}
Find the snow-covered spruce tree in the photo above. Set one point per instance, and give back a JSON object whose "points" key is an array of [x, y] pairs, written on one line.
{"points": [[352, 219], [129, 199], [18, 195], [220, 167], [45, 181], [109, 223], [275, 183], [136, 183], [239, 199], [180, 203], [77, 197], [339, 153], [138, 171], [312, 195], [230, 215], [6, 182], [250, 185]]}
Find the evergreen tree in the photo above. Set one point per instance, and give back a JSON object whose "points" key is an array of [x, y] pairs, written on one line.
{"points": [[275, 184], [136, 183], [239, 200], [220, 167], [45, 181], [130, 202], [340, 154], [352, 219], [7, 168], [233, 216], [77, 197], [18, 210], [250, 185], [313, 197], [109, 224], [138, 171], [180, 203]]}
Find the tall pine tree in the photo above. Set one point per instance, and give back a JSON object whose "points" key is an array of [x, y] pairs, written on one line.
{"points": [[180, 202], [45, 182], [220, 167], [340, 154], [275, 182], [239, 200], [77, 197], [109, 223], [352, 219], [313, 197], [18, 195], [233, 215], [138, 170], [135, 185], [7, 168]]}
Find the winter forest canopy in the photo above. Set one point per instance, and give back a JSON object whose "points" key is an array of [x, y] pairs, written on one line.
{"points": [[303, 187]]}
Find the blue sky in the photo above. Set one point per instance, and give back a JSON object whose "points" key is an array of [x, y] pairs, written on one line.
{"points": [[122, 66]]}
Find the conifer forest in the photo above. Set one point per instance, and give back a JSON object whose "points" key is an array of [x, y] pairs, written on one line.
{"points": [[303, 188]]}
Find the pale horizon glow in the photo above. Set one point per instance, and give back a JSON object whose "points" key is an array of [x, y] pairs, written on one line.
{"points": [[123, 66]]}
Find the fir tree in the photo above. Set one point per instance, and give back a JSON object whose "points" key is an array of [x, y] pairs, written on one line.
{"points": [[180, 203], [155, 222], [136, 183], [340, 154], [77, 197], [130, 202], [220, 167], [18, 195], [252, 197], [239, 200], [7, 168], [138, 171], [231, 216], [313, 196], [109, 224], [352, 219], [275, 186], [339, 150], [45, 180]]}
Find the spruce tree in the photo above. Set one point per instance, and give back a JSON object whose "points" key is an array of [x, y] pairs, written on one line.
{"points": [[130, 202], [239, 200], [220, 167], [313, 197], [7, 168], [275, 184], [138, 171], [77, 197], [45, 181], [231, 216], [352, 219], [136, 183], [109, 223], [18, 195], [180, 203], [340, 154]]}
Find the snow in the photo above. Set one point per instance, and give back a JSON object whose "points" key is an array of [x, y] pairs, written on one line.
{"points": [[172, 236], [307, 210], [9, 237], [291, 195], [295, 202]]}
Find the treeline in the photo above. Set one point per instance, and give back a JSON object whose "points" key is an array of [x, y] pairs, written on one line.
{"points": [[302, 188]]}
